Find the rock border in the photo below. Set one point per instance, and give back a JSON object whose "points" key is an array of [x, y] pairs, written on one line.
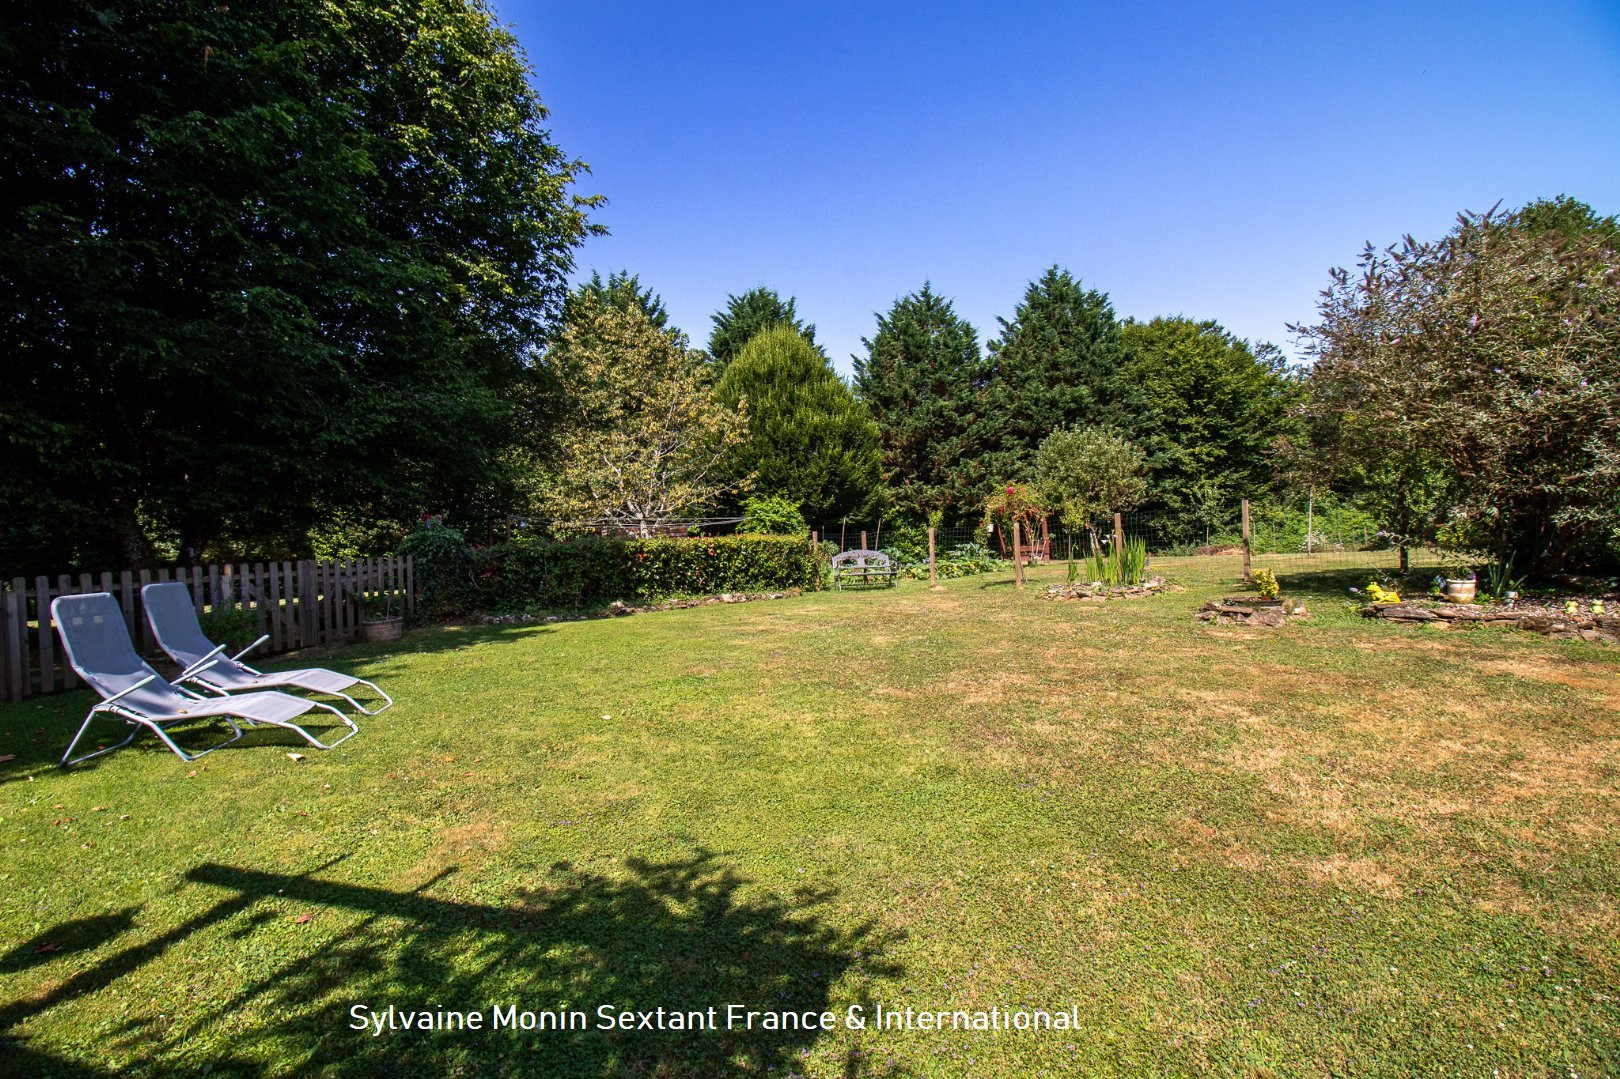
{"points": [[1548, 622], [618, 608], [1094, 592], [1257, 612]]}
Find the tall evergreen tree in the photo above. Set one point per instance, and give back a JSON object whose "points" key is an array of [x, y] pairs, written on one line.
{"points": [[921, 378], [808, 439], [261, 262], [746, 315], [1053, 366], [1203, 405], [621, 289]]}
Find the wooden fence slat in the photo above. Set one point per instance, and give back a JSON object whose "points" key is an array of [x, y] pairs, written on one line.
{"points": [[272, 599], [47, 638], [16, 637], [143, 579], [126, 600]]}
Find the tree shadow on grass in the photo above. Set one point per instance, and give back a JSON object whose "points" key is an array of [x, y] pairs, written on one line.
{"points": [[1336, 583], [684, 934]]}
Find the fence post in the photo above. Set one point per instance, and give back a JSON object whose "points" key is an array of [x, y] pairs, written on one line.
{"points": [[1248, 575], [1018, 558], [1119, 535], [932, 580], [863, 539], [11, 650]]}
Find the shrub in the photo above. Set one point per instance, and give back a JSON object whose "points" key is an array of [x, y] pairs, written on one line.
{"points": [[443, 565], [527, 574], [234, 626], [771, 515]]}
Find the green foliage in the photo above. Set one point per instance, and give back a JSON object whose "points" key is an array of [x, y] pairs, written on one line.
{"points": [[920, 379], [377, 606], [640, 437], [230, 623], [1482, 372], [1116, 567], [1498, 581], [750, 314], [908, 548], [1204, 407], [443, 567], [808, 439], [771, 515], [1089, 473], [621, 289], [1055, 365], [263, 261], [528, 574]]}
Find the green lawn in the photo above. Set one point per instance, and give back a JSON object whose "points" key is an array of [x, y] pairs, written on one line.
{"points": [[1341, 846]]}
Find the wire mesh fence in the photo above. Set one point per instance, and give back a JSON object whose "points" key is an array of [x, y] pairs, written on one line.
{"points": [[1290, 542]]}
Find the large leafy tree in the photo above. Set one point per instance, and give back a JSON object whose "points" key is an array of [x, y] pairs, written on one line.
{"points": [[641, 437], [809, 439], [1203, 406], [261, 262], [921, 377], [1054, 365], [1487, 365], [1089, 473], [746, 315]]}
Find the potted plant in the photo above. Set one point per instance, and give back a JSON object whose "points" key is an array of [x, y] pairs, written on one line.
{"points": [[378, 622], [1459, 585]]}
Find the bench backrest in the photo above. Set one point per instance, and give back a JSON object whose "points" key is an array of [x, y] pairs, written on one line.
{"points": [[860, 560]]}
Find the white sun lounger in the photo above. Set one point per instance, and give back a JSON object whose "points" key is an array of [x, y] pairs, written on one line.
{"points": [[173, 619], [98, 647]]}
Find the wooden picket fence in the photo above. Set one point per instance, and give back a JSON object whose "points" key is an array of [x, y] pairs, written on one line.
{"points": [[299, 604]]}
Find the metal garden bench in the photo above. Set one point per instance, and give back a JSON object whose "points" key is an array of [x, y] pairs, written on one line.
{"points": [[863, 566]]}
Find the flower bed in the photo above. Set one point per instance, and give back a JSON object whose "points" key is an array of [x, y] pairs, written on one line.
{"points": [[1097, 592], [1573, 619]]}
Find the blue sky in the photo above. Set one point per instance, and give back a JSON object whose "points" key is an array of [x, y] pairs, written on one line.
{"points": [[1206, 159]]}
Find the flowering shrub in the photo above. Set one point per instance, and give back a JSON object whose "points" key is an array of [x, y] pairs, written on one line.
{"points": [[529, 574]]}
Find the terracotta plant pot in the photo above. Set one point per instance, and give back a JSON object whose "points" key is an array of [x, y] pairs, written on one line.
{"points": [[383, 629], [1460, 591]]}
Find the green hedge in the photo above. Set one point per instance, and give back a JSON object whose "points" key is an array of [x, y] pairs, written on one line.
{"points": [[529, 575]]}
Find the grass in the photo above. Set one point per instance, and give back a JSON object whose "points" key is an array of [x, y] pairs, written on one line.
{"points": [[1341, 846]]}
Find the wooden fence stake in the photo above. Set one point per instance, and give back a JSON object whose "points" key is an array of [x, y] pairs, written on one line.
{"points": [[933, 581], [1018, 558], [863, 539], [1119, 536], [1248, 574]]}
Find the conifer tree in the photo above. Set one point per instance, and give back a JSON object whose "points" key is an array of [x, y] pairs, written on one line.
{"points": [[621, 289], [808, 439], [921, 378], [746, 315], [1053, 366]]}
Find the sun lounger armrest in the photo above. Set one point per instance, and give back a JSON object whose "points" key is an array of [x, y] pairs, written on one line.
{"points": [[250, 648], [202, 664], [127, 690]]}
